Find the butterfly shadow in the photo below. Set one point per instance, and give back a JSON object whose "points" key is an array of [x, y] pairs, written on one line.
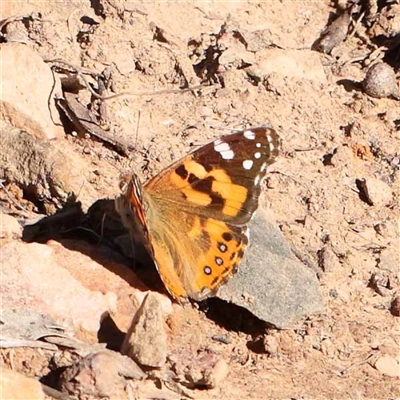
{"points": [[100, 235], [233, 317]]}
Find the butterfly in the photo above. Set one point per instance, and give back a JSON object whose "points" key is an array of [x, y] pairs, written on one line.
{"points": [[193, 216]]}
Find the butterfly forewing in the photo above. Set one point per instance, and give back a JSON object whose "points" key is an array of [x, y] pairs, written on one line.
{"points": [[221, 179], [237, 164]]}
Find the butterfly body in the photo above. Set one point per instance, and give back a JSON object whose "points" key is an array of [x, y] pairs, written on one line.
{"points": [[192, 217]]}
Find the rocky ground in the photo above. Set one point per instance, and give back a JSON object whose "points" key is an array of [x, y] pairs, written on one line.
{"points": [[93, 89]]}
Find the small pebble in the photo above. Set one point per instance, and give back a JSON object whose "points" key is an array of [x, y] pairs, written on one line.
{"points": [[375, 192], [221, 339], [271, 183], [395, 307], [333, 293], [334, 34], [380, 82], [388, 366], [327, 259], [271, 345], [102, 374], [380, 284]]}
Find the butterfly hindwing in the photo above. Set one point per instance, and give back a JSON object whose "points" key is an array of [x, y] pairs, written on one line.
{"points": [[225, 251]]}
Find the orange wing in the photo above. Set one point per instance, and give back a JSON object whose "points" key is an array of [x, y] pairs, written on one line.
{"points": [[194, 214]]}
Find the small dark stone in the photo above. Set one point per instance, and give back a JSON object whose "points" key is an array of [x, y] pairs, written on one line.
{"points": [[221, 338], [395, 307]]}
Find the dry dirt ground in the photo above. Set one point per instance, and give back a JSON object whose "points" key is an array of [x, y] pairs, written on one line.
{"points": [[334, 190]]}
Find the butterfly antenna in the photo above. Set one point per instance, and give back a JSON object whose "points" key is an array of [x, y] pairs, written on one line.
{"points": [[136, 134], [137, 126], [103, 222]]}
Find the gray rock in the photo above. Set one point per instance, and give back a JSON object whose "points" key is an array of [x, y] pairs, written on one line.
{"points": [[380, 81], [334, 34], [271, 282]]}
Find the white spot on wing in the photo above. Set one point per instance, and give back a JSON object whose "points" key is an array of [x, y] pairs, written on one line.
{"points": [[247, 164], [223, 149], [270, 140], [258, 145], [257, 180], [249, 135], [257, 155], [222, 248], [221, 146], [227, 155]]}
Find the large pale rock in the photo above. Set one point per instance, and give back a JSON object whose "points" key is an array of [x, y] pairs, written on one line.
{"points": [[18, 387], [27, 92], [32, 278], [66, 285]]}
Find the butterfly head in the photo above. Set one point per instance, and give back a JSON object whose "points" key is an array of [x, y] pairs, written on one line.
{"points": [[131, 207]]}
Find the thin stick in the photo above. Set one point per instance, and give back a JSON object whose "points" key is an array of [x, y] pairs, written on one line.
{"points": [[113, 96], [358, 363], [137, 126]]}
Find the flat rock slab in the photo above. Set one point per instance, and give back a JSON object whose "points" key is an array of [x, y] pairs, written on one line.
{"points": [[71, 287], [271, 282]]}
